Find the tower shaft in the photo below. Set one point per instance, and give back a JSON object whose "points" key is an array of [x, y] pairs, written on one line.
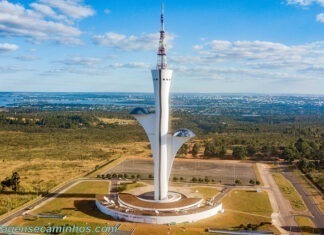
{"points": [[162, 81]]}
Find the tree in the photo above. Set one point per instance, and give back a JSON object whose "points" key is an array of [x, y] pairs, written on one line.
{"points": [[303, 147], [267, 150], [151, 176], [252, 181], [175, 178], [239, 152], [289, 154], [210, 150], [6, 183], [15, 181], [207, 179], [183, 150], [238, 182], [195, 150], [250, 150], [194, 179], [222, 151]]}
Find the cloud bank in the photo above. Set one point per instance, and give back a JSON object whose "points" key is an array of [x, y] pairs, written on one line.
{"points": [[44, 20]]}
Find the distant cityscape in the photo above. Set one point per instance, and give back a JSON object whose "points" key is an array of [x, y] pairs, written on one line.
{"points": [[206, 104]]}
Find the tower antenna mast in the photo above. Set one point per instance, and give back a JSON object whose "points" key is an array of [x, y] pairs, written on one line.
{"points": [[161, 64]]}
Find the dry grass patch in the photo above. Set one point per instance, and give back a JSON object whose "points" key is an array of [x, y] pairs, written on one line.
{"points": [[206, 192], [77, 202], [117, 121], [248, 202]]}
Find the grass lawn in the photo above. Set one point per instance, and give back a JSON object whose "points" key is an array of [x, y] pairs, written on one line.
{"points": [[206, 192], [248, 202], [241, 208], [12, 201], [77, 204], [306, 225], [128, 186], [289, 192]]}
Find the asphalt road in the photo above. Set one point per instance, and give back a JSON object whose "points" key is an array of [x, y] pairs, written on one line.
{"points": [[318, 217], [282, 216]]}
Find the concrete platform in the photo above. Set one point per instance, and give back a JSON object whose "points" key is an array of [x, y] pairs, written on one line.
{"points": [[128, 207]]}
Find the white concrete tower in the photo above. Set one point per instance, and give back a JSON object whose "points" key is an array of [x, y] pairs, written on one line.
{"points": [[164, 145]]}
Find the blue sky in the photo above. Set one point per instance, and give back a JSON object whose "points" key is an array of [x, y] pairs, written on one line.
{"points": [[259, 46]]}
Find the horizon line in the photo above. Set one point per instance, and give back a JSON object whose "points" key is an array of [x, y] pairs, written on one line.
{"points": [[146, 92]]}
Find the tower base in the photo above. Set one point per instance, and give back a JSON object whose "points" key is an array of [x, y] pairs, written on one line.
{"points": [[141, 209]]}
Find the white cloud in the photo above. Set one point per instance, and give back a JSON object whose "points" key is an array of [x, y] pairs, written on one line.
{"points": [[71, 8], [219, 45], [81, 61], [305, 2], [6, 47], [44, 20], [299, 2], [27, 58], [107, 11], [255, 60], [130, 65], [131, 43], [47, 11], [197, 47], [260, 50], [12, 69], [320, 17]]}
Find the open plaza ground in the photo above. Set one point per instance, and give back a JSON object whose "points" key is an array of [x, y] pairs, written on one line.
{"points": [[77, 203], [219, 171]]}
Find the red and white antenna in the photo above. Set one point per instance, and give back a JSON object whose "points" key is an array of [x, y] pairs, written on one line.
{"points": [[161, 64]]}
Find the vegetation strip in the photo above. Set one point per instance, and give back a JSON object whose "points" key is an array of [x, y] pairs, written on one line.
{"points": [[289, 192]]}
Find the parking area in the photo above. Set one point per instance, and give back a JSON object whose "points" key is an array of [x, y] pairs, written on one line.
{"points": [[225, 171]]}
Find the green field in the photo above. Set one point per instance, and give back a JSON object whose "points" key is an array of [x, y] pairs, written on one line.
{"points": [[249, 202], [128, 186]]}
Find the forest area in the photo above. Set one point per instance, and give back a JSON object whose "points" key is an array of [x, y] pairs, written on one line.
{"points": [[71, 135]]}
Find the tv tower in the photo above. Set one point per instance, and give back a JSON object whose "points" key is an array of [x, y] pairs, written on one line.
{"points": [[156, 125]]}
